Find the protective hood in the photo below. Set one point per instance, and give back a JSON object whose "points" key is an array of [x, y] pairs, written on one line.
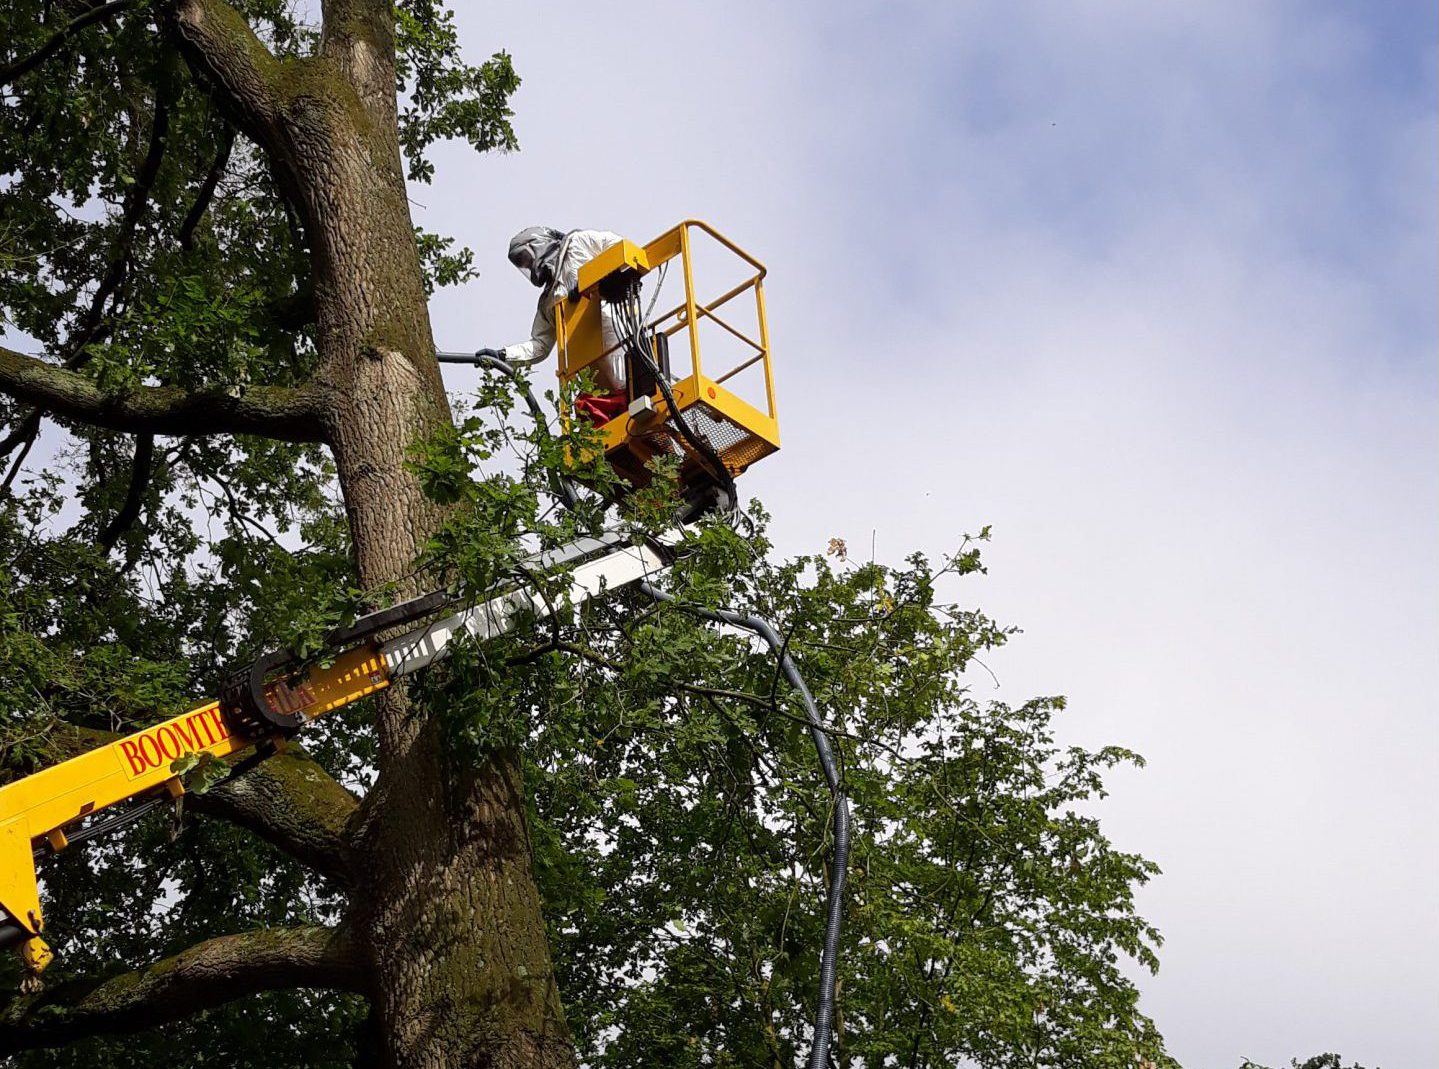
{"points": [[535, 250]]}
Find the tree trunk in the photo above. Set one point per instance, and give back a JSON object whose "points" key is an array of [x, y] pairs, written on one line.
{"points": [[449, 907], [463, 975], [446, 907]]}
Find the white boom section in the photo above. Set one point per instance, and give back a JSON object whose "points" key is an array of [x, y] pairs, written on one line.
{"points": [[619, 566]]}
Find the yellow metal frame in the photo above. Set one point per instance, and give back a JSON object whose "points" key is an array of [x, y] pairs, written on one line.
{"points": [[579, 332], [40, 806]]}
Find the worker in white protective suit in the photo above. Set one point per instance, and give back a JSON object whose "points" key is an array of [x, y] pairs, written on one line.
{"points": [[551, 260]]}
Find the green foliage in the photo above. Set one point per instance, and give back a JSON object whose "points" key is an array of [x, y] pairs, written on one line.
{"points": [[678, 820], [443, 96], [200, 771], [1319, 1061], [443, 267], [680, 825]]}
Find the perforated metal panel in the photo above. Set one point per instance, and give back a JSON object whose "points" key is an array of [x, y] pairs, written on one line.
{"points": [[736, 446]]}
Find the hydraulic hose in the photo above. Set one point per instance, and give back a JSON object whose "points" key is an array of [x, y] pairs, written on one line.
{"points": [[834, 899], [637, 341], [564, 489], [824, 1012]]}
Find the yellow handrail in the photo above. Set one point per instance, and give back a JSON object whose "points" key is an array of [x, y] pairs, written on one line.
{"points": [[581, 332]]}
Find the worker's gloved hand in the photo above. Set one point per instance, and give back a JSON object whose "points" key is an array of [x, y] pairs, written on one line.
{"points": [[498, 354]]}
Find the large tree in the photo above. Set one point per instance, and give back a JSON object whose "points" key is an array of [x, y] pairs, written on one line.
{"points": [[599, 843]]}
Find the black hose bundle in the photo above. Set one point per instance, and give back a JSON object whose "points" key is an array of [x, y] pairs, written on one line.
{"points": [[630, 322]]}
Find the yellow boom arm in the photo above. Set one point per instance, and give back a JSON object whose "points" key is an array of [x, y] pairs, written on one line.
{"points": [[38, 809], [39, 806]]}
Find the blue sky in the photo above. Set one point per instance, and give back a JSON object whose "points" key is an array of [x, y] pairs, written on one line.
{"points": [[1148, 286]]}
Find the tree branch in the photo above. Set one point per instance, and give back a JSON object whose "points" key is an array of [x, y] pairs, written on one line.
{"points": [[220, 47], [240, 517], [206, 975], [292, 803], [141, 471], [26, 445], [359, 37], [207, 189], [24, 431], [287, 413], [21, 67], [135, 203]]}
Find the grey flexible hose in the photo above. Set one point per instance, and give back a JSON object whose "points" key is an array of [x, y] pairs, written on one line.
{"points": [[824, 1012], [563, 487], [834, 900]]}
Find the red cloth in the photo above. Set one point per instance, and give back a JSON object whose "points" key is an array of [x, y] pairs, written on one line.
{"points": [[600, 408]]}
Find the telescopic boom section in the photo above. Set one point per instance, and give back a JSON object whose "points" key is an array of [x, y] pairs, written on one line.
{"points": [[261, 709]]}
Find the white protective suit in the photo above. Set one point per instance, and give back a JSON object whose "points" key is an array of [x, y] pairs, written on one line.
{"points": [[552, 261]]}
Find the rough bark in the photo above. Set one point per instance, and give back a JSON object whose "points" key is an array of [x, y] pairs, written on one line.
{"points": [[463, 975], [445, 914], [447, 906], [294, 804], [205, 975]]}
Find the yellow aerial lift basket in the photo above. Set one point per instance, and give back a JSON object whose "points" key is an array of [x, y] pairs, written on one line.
{"points": [[724, 394]]}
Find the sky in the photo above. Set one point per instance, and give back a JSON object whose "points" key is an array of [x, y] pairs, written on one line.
{"points": [[1149, 287]]}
